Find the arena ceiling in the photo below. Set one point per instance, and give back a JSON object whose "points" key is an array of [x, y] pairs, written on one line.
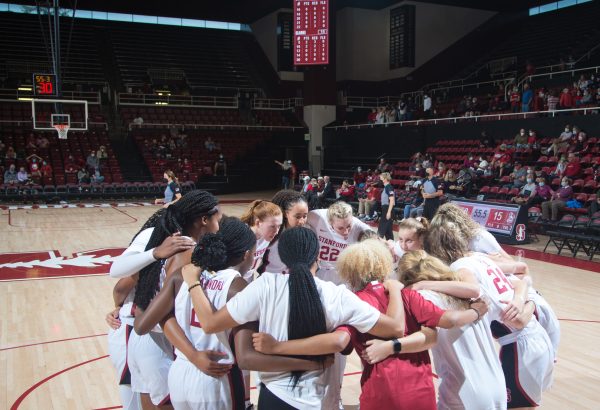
{"points": [[248, 11]]}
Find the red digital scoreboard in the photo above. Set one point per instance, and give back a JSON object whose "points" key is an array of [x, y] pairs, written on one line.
{"points": [[44, 84], [311, 32]]}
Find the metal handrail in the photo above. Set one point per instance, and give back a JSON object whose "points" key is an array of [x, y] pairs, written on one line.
{"points": [[276, 103], [13, 95], [550, 75], [133, 126], [177, 100], [29, 122], [462, 119]]}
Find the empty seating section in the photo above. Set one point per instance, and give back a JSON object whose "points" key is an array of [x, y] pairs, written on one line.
{"points": [[24, 50], [182, 115], [209, 58], [233, 144]]}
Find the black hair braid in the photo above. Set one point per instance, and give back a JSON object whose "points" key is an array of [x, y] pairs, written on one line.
{"points": [[298, 249], [226, 248], [286, 199], [150, 223], [179, 216]]}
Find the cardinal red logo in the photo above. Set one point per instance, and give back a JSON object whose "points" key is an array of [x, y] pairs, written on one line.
{"points": [[520, 236], [45, 264]]}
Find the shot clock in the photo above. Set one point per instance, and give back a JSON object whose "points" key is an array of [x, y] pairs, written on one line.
{"points": [[44, 85]]}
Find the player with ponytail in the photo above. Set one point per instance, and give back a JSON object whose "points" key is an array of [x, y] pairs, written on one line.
{"points": [[291, 307]]}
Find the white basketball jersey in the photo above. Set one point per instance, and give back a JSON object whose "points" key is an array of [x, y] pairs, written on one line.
{"points": [[261, 248], [126, 313], [216, 287], [495, 287], [332, 243], [467, 364], [272, 261]]}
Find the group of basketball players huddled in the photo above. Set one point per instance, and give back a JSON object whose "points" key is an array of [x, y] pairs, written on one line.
{"points": [[202, 299]]}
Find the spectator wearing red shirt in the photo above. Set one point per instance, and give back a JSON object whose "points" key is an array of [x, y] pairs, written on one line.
{"points": [[515, 99], [187, 166], [367, 205], [346, 191], [360, 178], [372, 117], [47, 176], [573, 168], [566, 99]]}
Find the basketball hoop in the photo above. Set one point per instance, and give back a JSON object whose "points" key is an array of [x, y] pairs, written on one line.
{"points": [[63, 130]]}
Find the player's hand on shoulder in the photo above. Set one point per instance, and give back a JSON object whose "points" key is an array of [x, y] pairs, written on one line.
{"points": [[480, 305], [112, 318], [207, 362], [392, 285], [190, 274], [172, 245]]}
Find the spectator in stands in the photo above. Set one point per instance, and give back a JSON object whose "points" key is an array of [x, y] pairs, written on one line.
{"points": [[138, 120], [372, 179], [581, 145], [306, 185], [10, 175], [469, 161], [566, 100], [586, 98], [527, 192], [414, 208], [449, 179], [10, 153], [551, 208], [502, 159], [441, 170], [520, 140], [390, 114], [573, 169], [92, 162], [402, 110], [380, 117], [432, 190], [482, 167], [526, 98], [285, 168], [515, 99], [47, 175], [552, 101], [328, 193], [172, 190], [320, 184], [360, 178], [539, 101], [42, 142], [426, 106], [372, 117], [367, 204], [22, 176], [210, 145], [518, 176], [486, 141], [221, 164], [102, 154], [314, 186], [346, 191], [532, 140], [464, 183], [97, 178], [559, 170], [583, 83], [83, 176], [34, 162], [383, 166]]}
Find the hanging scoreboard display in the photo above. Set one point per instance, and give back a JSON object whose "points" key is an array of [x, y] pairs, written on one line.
{"points": [[507, 222], [311, 32]]}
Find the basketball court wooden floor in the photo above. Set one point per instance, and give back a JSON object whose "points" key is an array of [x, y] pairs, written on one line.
{"points": [[54, 294]]}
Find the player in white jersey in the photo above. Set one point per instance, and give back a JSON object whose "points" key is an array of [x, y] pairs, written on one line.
{"points": [[480, 240], [465, 358], [205, 374], [294, 306], [265, 219], [295, 212], [526, 353], [336, 228]]}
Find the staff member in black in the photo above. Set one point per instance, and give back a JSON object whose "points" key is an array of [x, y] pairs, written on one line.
{"points": [[431, 192], [388, 200]]}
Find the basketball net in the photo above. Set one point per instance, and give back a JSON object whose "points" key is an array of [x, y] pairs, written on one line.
{"points": [[63, 130]]}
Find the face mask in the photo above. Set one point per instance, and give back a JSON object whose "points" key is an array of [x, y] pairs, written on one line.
{"points": [[566, 130], [529, 180], [359, 169], [531, 134], [470, 158], [565, 184], [523, 133], [542, 183]]}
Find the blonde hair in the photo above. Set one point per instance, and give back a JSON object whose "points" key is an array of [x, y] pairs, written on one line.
{"points": [[260, 210], [416, 266], [450, 212], [386, 176], [446, 241], [364, 262], [420, 225], [339, 209]]}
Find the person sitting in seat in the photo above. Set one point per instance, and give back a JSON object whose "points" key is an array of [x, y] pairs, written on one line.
{"points": [[221, 164]]}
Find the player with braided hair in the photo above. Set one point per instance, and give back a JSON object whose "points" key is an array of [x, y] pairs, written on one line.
{"points": [[168, 232], [201, 374], [292, 306], [295, 212]]}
